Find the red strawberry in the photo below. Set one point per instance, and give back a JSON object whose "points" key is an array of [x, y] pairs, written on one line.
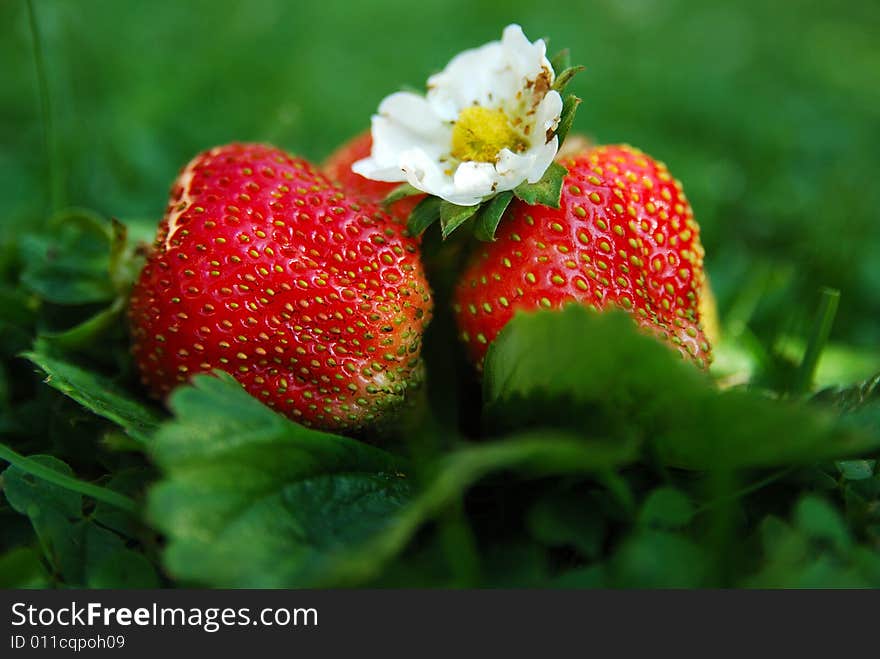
{"points": [[338, 168], [262, 268], [624, 236]]}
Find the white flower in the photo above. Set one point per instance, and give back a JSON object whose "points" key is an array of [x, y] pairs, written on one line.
{"points": [[486, 124]]}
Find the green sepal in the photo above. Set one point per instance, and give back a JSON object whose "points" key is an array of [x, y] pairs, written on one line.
{"points": [[402, 191], [426, 212], [547, 191], [453, 216], [490, 215], [566, 119], [565, 77]]}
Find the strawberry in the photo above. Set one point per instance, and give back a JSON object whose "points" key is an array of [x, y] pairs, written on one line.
{"points": [[315, 302], [624, 235], [337, 168]]}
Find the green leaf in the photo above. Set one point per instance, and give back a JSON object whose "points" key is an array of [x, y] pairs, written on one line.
{"points": [[820, 521], [659, 559], [569, 108], [581, 578], [547, 191], [453, 216], [565, 77], [402, 191], [57, 475], [97, 394], [854, 398], [563, 519], [856, 470], [50, 509], [816, 550], [566, 369], [490, 216], [71, 263], [426, 212], [251, 499], [666, 508], [514, 564], [115, 566], [21, 568], [858, 405], [534, 454], [131, 482], [81, 552]]}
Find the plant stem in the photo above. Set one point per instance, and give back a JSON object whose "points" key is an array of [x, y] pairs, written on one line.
{"points": [[54, 180], [68, 482]]}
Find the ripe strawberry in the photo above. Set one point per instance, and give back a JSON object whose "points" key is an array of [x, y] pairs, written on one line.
{"points": [[262, 268], [337, 168], [624, 236]]}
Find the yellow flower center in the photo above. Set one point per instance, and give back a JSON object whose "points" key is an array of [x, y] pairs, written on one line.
{"points": [[480, 134]]}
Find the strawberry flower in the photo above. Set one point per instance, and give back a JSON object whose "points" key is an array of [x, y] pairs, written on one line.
{"points": [[486, 125]]}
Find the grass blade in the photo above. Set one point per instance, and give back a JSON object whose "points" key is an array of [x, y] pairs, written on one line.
{"points": [[56, 478], [818, 338], [53, 174]]}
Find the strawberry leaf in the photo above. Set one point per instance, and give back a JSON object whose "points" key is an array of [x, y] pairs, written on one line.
{"points": [[426, 212], [490, 216], [530, 454], [252, 499], [82, 552], [21, 568], [854, 398], [565, 366], [70, 264], [453, 216], [560, 519], [666, 508], [547, 191], [97, 394]]}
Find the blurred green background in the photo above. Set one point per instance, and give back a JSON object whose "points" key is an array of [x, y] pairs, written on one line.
{"points": [[769, 112]]}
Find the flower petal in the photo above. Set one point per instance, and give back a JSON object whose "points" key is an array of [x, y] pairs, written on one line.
{"points": [[543, 157], [473, 77], [412, 113], [422, 171], [474, 179], [404, 121], [525, 58], [548, 112], [412, 135]]}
